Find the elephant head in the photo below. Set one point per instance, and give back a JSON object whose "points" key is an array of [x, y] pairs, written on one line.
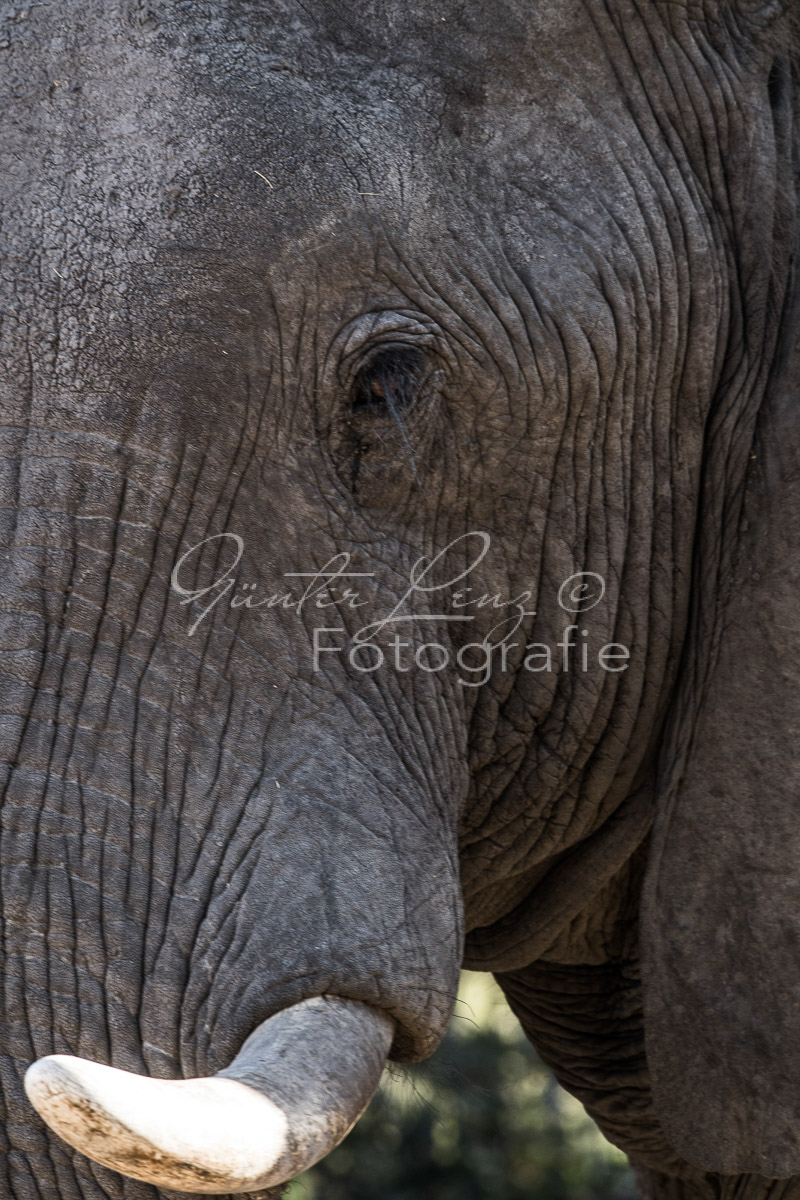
{"points": [[399, 468]]}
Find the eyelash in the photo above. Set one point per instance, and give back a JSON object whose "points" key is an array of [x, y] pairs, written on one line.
{"points": [[389, 382]]}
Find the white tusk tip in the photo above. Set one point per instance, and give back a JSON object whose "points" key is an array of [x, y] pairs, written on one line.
{"points": [[195, 1135]]}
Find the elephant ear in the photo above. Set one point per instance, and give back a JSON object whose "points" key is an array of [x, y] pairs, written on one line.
{"points": [[721, 903]]}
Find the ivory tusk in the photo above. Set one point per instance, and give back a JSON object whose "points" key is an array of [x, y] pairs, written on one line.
{"points": [[298, 1085]]}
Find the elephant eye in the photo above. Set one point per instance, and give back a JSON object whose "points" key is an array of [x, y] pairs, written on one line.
{"points": [[389, 382], [386, 423]]}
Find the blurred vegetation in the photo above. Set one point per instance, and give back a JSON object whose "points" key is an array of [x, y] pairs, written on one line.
{"points": [[482, 1119]]}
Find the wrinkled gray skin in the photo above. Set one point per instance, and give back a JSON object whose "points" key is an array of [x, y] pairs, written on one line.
{"points": [[581, 214]]}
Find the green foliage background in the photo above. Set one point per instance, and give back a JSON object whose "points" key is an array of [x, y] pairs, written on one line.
{"points": [[482, 1119]]}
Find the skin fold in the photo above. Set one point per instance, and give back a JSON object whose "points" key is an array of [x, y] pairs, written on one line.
{"points": [[505, 291]]}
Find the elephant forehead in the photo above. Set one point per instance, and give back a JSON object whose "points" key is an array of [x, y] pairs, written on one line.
{"points": [[296, 116], [206, 169], [311, 128]]}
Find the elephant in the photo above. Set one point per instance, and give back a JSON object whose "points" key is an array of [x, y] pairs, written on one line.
{"points": [[399, 526]]}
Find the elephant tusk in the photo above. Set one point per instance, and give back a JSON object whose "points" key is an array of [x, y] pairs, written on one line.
{"points": [[298, 1085]]}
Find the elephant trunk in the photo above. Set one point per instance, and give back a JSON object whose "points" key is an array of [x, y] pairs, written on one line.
{"points": [[295, 1089]]}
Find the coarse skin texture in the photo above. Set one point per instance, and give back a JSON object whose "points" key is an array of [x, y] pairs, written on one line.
{"points": [[568, 228]]}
